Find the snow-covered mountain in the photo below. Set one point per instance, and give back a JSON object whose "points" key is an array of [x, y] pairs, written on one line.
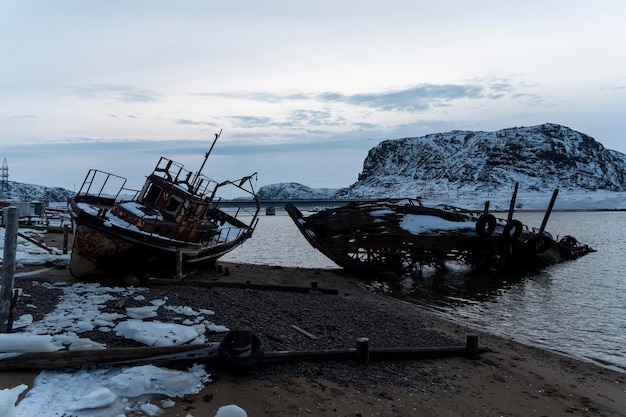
{"points": [[295, 191], [540, 158], [29, 192]]}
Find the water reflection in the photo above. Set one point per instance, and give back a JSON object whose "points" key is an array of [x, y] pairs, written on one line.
{"points": [[458, 285], [578, 307]]}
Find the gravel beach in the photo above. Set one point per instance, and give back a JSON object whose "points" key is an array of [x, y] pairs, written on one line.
{"points": [[510, 380]]}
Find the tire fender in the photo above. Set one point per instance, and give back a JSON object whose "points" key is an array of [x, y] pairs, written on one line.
{"points": [[539, 243], [241, 361], [513, 230], [485, 225]]}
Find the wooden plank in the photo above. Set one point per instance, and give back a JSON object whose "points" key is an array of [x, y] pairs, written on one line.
{"points": [[246, 285], [208, 354], [34, 242], [304, 332], [77, 358]]}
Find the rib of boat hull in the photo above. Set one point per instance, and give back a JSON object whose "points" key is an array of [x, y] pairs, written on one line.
{"points": [[370, 238]]}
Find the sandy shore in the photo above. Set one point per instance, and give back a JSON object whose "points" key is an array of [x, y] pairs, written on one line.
{"points": [[512, 380]]}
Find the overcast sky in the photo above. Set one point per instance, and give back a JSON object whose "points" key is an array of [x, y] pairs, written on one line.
{"points": [[302, 90]]}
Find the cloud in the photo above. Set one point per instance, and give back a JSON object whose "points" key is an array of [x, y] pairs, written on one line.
{"points": [[189, 122], [249, 122], [315, 118], [116, 92], [22, 117], [415, 99]]}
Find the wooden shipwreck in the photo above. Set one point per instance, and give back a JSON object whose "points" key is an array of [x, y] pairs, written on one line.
{"points": [[402, 235], [175, 219]]}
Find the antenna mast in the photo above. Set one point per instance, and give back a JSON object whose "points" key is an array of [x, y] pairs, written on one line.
{"points": [[206, 156], [4, 179]]}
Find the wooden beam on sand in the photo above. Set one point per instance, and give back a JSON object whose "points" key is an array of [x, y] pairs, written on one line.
{"points": [[34, 242], [209, 355], [375, 355], [109, 356], [247, 285]]}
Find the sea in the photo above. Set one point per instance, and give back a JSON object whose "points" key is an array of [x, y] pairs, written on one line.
{"points": [[577, 308]]}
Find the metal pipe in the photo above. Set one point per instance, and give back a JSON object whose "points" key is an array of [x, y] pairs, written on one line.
{"points": [[549, 210]]}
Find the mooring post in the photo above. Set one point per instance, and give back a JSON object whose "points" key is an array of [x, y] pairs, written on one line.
{"points": [[8, 267], [242, 341], [472, 347], [363, 351], [179, 263], [16, 294], [66, 231]]}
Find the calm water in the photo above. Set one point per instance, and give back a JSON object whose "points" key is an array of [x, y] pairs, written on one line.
{"points": [[576, 307]]}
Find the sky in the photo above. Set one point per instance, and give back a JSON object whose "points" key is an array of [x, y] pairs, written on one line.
{"points": [[301, 91]]}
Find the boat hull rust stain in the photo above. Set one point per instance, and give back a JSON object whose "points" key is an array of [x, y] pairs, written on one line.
{"points": [[176, 213]]}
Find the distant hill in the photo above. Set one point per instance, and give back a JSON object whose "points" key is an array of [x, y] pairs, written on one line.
{"points": [[540, 158], [295, 191], [30, 192]]}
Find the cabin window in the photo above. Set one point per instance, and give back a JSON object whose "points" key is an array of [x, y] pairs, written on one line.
{"points": [[174, 205], [152, 194], [199, 210]]}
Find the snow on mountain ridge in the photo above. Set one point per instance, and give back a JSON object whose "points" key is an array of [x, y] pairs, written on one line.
{"points": [[475, 163], [30, 192], [295, 191], [540, 158]]}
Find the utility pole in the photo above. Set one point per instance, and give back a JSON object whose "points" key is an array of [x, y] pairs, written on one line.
{"points": [[7, 280]]}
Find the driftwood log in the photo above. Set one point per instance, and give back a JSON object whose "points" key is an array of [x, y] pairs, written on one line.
{"points": [[247, 285], [112, 356], [35, 242], [209, 355]]}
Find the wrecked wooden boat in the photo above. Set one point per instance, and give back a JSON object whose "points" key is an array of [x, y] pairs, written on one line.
{"points": [[174, 220], [401, 236]]}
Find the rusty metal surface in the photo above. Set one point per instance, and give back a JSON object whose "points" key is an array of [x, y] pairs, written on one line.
{"points": [[359, 241], [175, 213]]}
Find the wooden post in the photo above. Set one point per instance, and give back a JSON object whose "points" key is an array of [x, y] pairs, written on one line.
{"points": [[179, 263], [242, 341], [549, 210], [65, 238], [16, 294], [363, 351], [8, 267], [472, 347]]}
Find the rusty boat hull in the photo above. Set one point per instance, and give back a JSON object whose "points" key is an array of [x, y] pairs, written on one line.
{"points": [[101, 250], [401, 236], [175, 220]]}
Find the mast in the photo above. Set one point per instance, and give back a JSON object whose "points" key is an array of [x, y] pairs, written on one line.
{"points": [[195, 186]]}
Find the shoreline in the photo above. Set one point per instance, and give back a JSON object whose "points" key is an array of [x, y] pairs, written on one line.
{"points": [[615, 367], [514, 379], [501, 381]]}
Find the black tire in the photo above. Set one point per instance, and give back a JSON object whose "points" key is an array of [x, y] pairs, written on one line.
{"points": [[539, 243], [513, 230], [486, 225], [238, 363]]}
